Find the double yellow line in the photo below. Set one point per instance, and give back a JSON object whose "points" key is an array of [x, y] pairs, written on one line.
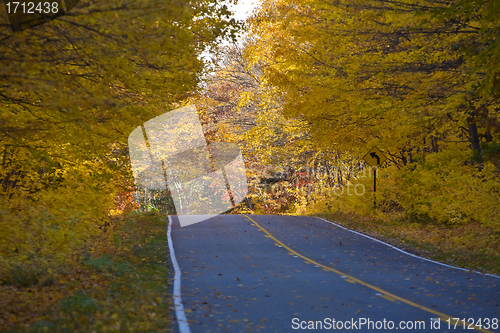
{"points": [[384, 293]]}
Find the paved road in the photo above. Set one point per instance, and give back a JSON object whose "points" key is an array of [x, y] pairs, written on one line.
{"points": [[280, 273]]}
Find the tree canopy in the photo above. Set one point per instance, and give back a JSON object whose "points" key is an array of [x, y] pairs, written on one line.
{"points": [[71, 91], [416, 78]]}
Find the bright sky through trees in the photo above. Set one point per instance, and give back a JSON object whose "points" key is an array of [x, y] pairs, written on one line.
{"points": [[243, 9]]}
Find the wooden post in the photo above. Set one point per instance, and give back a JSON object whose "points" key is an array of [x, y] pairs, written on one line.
{"points": [[375, 188]]}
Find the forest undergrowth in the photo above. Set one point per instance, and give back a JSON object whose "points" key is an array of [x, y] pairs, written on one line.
{"points": [[119, 284]]}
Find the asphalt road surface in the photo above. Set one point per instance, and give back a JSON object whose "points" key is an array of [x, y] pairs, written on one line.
{"points": [[287, 274]]}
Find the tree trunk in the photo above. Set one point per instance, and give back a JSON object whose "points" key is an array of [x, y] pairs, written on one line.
{"points": [[473, 134]]}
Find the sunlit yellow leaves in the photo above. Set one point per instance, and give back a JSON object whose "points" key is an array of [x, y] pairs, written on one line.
{"points": [[70, 93], [352, 79], [390, 74]]}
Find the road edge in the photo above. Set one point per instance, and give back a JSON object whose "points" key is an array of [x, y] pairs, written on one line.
{"points": [[176, 292], [407, 253]]}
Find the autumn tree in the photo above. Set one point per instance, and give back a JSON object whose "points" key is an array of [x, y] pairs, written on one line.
{"points": [[240, 106], [406, 76], [71, 91]]}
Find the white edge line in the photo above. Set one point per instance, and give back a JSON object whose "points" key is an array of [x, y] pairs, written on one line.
{"points": [[179, 307], [412, 255]]}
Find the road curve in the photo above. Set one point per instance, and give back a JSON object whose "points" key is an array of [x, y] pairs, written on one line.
{"points": [[286, 273]]}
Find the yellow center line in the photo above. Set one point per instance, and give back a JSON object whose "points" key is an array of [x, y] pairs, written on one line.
{"points": [[386, 293]]}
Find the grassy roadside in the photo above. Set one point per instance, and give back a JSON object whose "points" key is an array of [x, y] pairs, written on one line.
{"points": [[470, 246], [119, 285]]}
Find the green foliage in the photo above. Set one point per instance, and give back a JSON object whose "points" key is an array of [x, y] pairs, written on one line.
{"points": [[78, 303], [106, 264], [22, 276]]}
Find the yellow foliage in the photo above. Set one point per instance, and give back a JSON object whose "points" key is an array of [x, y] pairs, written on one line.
{"points": [[447, 187]]}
